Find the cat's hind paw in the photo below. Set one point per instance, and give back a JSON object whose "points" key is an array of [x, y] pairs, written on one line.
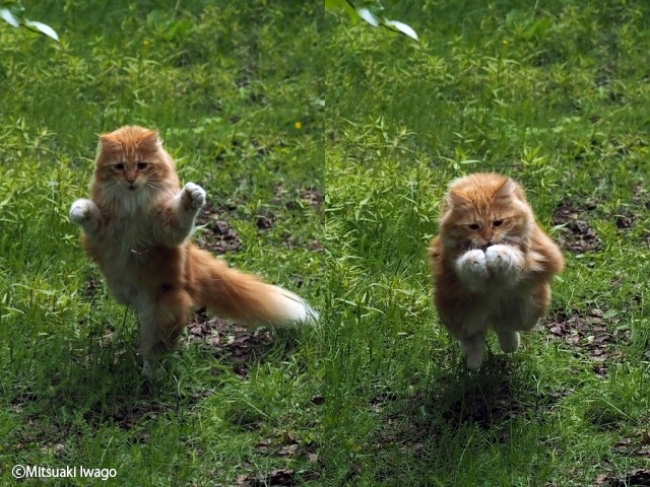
{"points": [[193, 196], [508, 341], [152, 370], [474, 361]]}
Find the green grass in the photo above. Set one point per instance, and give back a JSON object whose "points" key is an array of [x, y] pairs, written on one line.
{"points": [[553, 93], [226, 85], [557, 97]]}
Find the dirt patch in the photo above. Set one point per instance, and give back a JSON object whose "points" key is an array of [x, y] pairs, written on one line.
{"points": [[90, 288], [287, 444], [281, 476], [595, 335], [235, 344], [576, 235], [311, 197], [635, 478], [265, 220], [639, 446], [624, 220], [219, 237], [304, 198], [124, 415]]}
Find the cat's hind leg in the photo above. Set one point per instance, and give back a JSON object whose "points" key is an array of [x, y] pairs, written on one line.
{"points": [[508, 340], [474, 348], [519, 312], [162, 320]]}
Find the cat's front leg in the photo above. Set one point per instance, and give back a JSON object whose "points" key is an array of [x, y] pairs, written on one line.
{"points": [[86, 214], [184, 209], [472, 270], [505, 263]]}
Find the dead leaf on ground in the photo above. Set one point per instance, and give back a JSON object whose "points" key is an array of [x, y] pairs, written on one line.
{"points": [[576, 235], [281, 476], [635, 478], [265, 220], [311, 197], [591, 334], [236, 344], [218, 237]]}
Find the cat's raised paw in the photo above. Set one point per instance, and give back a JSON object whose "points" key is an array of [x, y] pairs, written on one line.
{"points": [[194, 196], [472, 265], [503, 260], [83, 211]]}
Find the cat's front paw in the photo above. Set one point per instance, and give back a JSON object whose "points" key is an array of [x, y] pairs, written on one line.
{"points": [[193, 196], [504, 261], [471, 266], [83, 212]]}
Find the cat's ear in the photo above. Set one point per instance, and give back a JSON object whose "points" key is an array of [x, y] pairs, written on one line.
{"points": [[109, 144], [455, 199], [506, 190], [150, 140]]}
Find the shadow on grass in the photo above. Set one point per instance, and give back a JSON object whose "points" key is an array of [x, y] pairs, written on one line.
{"points": [[435, 437], [97, 377]]}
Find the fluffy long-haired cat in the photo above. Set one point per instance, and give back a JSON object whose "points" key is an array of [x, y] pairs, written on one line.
{"points": [[492, 264], [136, 227]]}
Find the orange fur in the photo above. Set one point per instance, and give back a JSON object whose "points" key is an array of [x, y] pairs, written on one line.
{"points": [[137, 227], [481, 211]]}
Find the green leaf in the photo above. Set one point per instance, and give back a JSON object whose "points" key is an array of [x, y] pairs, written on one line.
{"points": [[402, 27], [8, 17], [43, 28], [610, 313]]}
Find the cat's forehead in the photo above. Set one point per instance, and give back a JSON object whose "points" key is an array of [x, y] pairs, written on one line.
{"points": [[129, 143], [478, 185], [482, 207]]}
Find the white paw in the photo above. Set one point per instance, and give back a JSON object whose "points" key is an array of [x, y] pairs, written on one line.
{"points": [[82, 211], [474, 360], [152, 370], [472, 266], [503, 260], [194, 196]]}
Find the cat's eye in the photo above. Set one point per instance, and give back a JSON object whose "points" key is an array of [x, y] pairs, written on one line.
{"points": [[474, 226], [142, 166], [497, 223], [120, 166]]}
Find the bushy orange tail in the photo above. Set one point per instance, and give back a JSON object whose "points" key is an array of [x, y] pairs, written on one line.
{"points": [[244, 297]]}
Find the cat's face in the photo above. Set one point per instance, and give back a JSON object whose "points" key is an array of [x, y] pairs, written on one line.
{"points": [[485, 209], [131, 161]]}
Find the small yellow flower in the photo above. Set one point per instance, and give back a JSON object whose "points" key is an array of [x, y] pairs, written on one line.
{"points": [[298, 125]]}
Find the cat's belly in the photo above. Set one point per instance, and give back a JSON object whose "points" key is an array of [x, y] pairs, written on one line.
{"points": [[147, 271]]}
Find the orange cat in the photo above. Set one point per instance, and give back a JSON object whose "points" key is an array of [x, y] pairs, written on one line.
{"points": [[492, 264], [136, 228]]}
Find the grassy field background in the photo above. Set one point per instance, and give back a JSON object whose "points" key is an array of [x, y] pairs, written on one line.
{"points": [[236, 90], [556, 95], [336, 202]]}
